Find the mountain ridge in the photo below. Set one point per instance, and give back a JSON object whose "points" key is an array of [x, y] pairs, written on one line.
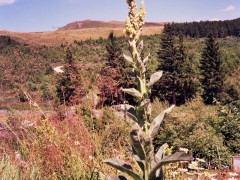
{"points": [[103, 24], [69, 33]]}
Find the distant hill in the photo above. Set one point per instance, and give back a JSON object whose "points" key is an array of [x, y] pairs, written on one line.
{"points": [[103, 24], [79, 30]]}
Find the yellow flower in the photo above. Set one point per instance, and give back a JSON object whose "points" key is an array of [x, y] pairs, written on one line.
{"points": [[168, 151], [207, 174], [142, 12]]}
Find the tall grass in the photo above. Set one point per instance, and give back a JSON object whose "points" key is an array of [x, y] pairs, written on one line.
{"points": [[69, 149]]}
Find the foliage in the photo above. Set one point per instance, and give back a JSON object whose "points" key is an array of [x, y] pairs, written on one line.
{"points": [[68, 83], [212, 73], [167, 58], [206, 131], [201, 29], [20, 64], [45, 149], [177, 84], [115, 74], [7, 41], [190, 126], [227, 125], [187, 82]]}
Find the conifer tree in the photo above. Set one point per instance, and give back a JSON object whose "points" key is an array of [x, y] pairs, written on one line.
{"points": [[186, 73], [177, 85], [168, 63], [211, 69], [68, 84], [166, 88], [115, 74]]}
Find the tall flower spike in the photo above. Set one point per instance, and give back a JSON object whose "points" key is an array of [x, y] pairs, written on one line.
{"points": [[144, 131], [142, 13]]}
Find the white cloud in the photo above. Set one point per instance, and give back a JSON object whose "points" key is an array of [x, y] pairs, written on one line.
{"points": [[229, 8], [4, 2], [215, 19]]}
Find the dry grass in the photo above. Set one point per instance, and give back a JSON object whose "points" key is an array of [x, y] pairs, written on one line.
{"points": [[56, 38], [70, 149]]}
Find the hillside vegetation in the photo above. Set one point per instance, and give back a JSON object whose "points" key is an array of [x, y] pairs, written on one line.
{"points": [[72, 128]]}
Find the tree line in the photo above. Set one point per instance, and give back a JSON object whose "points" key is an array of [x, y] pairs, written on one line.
{"points": [[219, 29]]}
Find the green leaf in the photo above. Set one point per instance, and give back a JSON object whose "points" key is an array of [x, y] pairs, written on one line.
{"points": [[129, 111], [137, 158], [146, 59], [157, 158], [154, 78], [116, 177], [128, 59], [159, 155], [128, 108], [159, 175], [131, 116], [141, 143], [122, 166], [133, 92], [178, 156], [157, 122]]}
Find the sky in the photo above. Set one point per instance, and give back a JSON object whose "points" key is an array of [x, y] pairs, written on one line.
{"points": [[48, 15]]}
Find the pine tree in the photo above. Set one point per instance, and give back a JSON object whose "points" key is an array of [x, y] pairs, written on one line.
{"points": [[187, 86], [115, 74], [68, 84], [177, 83], [170, 64], [211, 69], [166, 58]]}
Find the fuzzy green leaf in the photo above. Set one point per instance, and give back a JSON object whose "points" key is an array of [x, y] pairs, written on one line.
{"points": [[128, 108], [122, 166], [141, 143], [159, 155], [146, 59], [178, 156], [157, 122], [128, 59], [154, 78], [133, 92], [140, 47], [137, 158], [131, 116], [129, 111]]}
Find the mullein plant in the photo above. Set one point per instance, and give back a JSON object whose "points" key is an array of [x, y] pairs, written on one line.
{"points": [[144, 130]]}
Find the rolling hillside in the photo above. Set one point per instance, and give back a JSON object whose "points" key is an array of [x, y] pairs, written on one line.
{"points": [[102, 24], [80, 30]]}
